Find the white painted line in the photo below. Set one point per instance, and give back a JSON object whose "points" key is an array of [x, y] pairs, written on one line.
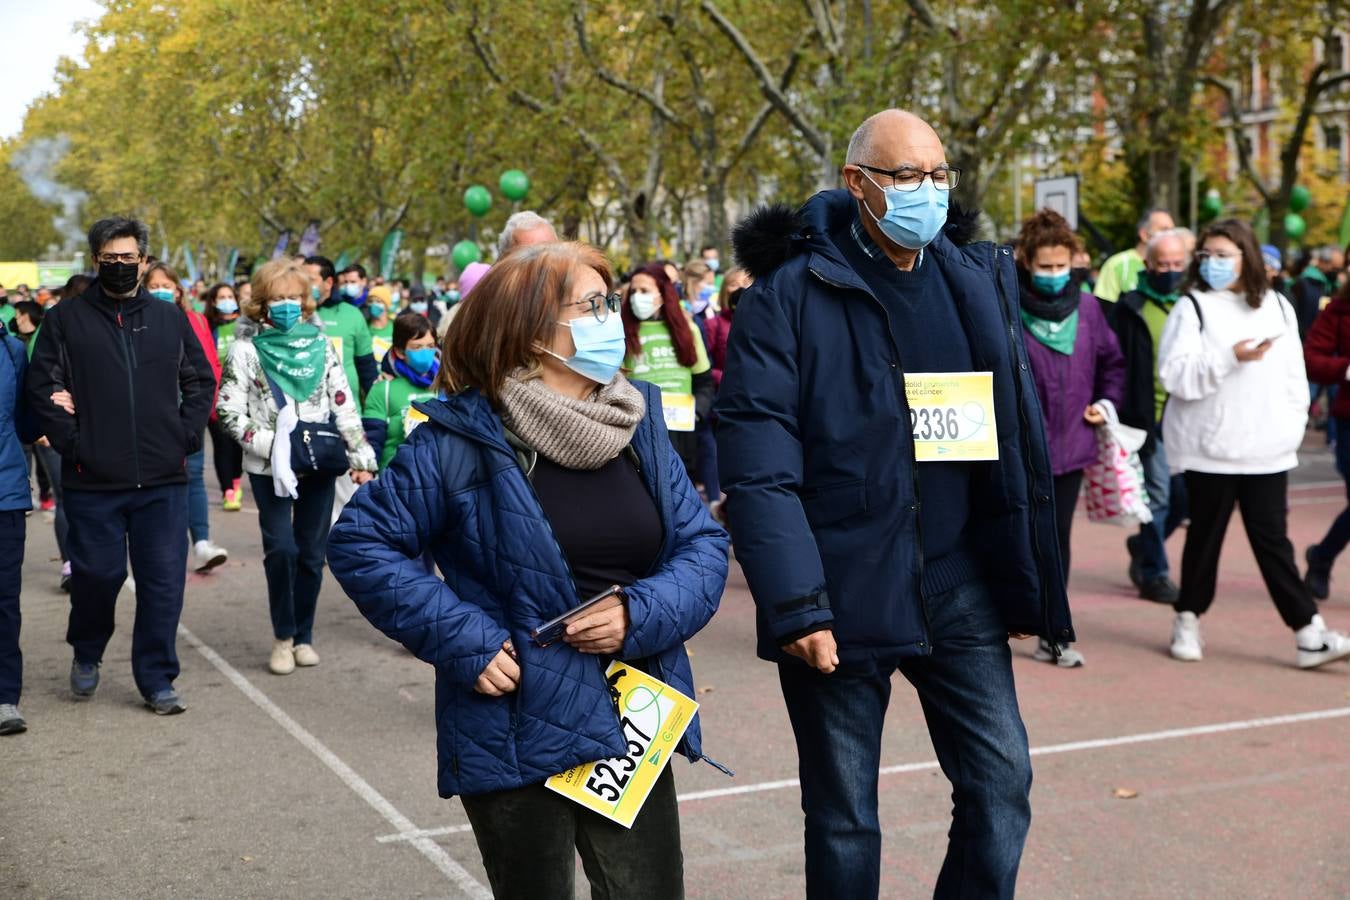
{"points": [[424, 832], [1126, 740], [427, 847]]}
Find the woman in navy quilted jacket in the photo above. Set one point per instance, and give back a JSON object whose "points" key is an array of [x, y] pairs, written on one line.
{"points": [[543, 478]]}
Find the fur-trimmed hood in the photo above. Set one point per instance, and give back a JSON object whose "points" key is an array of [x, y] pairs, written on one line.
{"points": [[773, 234]]}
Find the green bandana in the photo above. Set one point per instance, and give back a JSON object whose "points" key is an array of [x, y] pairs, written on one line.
{"points": [[294, 359], [1058, 336], [1315, 274], [1163, 300]]}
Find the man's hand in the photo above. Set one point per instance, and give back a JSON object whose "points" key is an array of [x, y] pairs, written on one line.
{"points": [[65, 401], [359, 478], [43, 442], [1251, 351], [600, 632], [501, 676], [818, 649]]}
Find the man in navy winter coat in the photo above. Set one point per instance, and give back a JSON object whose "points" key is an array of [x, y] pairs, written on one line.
{"points": [[862, 560], [16, 429]]}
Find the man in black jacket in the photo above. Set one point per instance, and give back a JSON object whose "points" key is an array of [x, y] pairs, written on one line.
{"points": [[122, 390], [1138, 320]]}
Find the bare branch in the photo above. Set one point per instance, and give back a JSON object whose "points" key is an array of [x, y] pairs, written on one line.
{"points": [[1244, 147], [610, 78], [767, 84]]}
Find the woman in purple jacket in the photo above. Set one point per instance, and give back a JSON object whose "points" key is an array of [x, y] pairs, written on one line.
{"points": [[1075, 361]]}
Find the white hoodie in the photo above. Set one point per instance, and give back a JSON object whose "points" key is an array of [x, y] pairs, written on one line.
{"points": [[1226, 417]]}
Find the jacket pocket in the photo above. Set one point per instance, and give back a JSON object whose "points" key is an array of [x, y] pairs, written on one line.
{"points": [[834, 503]]}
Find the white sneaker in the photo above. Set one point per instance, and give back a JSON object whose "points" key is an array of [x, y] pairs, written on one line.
{"points": [[1069, 658], [283, 657], [1186, 641], [305, 655], [1319, 645], [207, 556]]}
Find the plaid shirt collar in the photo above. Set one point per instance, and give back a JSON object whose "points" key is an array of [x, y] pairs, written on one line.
{"points": [[869, 246]]}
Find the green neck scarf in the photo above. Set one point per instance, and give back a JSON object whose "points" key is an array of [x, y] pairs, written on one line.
{"points": [[1164, 300], [294, 359], [1315, 274], [1058, 336]]}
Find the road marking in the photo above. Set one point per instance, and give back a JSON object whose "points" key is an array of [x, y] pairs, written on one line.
{"points": [[1072, 747], [423, 833], [427, 847]]}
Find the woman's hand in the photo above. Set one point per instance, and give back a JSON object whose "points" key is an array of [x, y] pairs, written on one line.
{"points": [[65, 401], [599, 632], [1251, 351], [359, 478], [502, 675], [1093, 416]]}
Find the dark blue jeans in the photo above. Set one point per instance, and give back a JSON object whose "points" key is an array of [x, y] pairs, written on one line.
{"points": [[12, 531], [199, 522], [152, 523], [1339, 533], [970, 703], [1167, 502], [295, 539]]}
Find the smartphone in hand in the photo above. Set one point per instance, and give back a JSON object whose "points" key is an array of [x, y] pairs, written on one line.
{"points": [[552, 631]]}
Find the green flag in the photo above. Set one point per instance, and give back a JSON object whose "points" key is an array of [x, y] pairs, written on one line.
{"points": [[1345, 226], [389, 252]]}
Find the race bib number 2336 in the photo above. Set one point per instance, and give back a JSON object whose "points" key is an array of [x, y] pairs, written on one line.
{"points": [[951, 416]]}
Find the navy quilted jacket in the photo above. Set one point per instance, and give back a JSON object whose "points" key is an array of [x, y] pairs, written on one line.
{"points": [[456, 489]]}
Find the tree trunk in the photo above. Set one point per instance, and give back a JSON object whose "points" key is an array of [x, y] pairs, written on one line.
{"points": [[1164, 177], [718, 234]]}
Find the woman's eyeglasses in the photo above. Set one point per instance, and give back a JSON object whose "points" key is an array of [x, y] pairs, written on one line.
{"points": [[599, 305]]}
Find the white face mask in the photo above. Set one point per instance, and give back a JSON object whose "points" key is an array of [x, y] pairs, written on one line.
{"points": [[644, 304]]}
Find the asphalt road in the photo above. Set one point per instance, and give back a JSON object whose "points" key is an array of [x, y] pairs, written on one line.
{"points": [[1233, 774]]}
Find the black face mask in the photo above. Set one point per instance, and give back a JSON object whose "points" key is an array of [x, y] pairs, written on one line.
{"points": [[1165, 283], [1081, 277], [119, 279]]}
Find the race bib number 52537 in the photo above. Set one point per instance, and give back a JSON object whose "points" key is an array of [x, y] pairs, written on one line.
{"points": [[951, 416]]}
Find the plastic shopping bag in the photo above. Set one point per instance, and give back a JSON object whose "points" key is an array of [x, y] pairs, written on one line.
{"points": [[1115, 482]]}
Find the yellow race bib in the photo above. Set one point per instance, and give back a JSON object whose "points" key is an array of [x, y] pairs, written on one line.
{"points": [[654, 716], [951, 415], [679, 411]]}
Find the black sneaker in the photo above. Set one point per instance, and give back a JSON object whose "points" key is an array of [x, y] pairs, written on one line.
{"points": [[83, 679], [1160, 590], [1136, 564], [166, 703], [1318, 578]]}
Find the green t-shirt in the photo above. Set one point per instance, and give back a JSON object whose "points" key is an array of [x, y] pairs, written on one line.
{"points": [[657, 362], [382, 340], [7, 313], [391, 401], [1119, 275], [346, 328], [224, 339], [1155, 317], [32, 342]]}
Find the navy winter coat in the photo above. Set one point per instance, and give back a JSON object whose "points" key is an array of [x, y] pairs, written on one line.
{"points": [[817, 457], [17, 426], [457, 490]]}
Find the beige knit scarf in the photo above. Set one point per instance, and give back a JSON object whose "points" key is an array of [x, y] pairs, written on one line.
{"points": [[575, 434]]}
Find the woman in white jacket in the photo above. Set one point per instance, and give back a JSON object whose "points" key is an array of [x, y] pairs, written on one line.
{"points": [[1231, 359], [280, 347]]}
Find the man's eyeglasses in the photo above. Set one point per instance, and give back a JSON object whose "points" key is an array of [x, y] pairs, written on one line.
{"points": [[598, 305], [908, 178], [119, 258]]}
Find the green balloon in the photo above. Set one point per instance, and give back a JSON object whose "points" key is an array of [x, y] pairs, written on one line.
{"points": [[1212, 205], [1299, 198], [515, 184], [1294, 226], [466, 252], [478, 200]]}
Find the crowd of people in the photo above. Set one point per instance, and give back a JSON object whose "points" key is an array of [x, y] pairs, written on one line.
{"points": [[474, 459]]}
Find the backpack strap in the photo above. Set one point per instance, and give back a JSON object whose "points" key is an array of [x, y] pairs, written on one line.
{"points": [[1199, 313]]}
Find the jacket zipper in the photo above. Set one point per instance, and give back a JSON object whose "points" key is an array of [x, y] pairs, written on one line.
{"points": [[129, 355], [899, 366], [1016, 361]]}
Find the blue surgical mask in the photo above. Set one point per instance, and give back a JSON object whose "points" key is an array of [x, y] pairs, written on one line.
{"points": [[600, 348], [418, 306], [713, 263], [1050, 284], [315, 292], [227, 307], [453, 296], [376, 310], [644, 304], [284, 313], [352, 290], [1218, 273], [395, 297], [913, 218], [162, 294], [421, 360]]}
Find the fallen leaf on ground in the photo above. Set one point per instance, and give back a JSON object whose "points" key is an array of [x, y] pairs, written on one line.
{"points": [[1124, 793], [706, 690], [246, 859]]}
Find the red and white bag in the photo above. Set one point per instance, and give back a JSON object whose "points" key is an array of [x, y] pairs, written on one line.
{"points": [[1115, 482]]}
